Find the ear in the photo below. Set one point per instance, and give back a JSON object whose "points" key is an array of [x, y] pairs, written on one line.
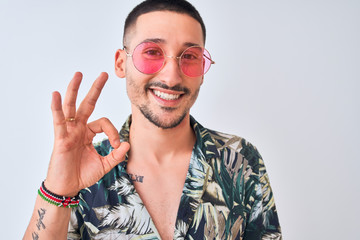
{"points": [[120, 58]]}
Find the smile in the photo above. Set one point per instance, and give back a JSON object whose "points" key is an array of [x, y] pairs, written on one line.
{"points": [[166, 96]]}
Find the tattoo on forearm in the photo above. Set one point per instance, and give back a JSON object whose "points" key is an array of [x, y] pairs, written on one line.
{"points": [[35, 236], [136, 178], [39, 224]]}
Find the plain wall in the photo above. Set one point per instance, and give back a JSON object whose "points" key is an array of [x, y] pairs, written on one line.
{"points": [[286, 78]]}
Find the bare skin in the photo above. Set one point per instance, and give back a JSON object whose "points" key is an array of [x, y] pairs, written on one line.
{"points": [[74, 163], [164, 160], [164, 171]]}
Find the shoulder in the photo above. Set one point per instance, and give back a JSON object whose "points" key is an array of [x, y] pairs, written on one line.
{"points": [[233, 148], [233, 143]]}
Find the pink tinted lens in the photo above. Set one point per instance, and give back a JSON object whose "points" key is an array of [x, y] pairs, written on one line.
{"points": [[195, 61], [148, 57], [207, 62]]}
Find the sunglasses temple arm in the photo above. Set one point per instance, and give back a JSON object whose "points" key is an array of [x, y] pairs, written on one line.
{"points": [[212, 62]]}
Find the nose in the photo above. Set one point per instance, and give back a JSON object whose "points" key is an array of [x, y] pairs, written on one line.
{"points": [[171, 74]]}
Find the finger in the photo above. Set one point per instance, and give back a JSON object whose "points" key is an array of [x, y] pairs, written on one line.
{"points": [[115, 157], [88, 104], [69, 106], [58, 116], [104, 125]]}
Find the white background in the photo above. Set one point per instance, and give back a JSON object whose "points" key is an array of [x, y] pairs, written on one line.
{"points": [[286, 78]]}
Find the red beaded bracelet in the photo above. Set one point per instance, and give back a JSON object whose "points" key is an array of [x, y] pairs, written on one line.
{"points": [[60, 201]]}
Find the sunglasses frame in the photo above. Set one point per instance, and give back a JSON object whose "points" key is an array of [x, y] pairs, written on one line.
{"points": [[173, 57]]}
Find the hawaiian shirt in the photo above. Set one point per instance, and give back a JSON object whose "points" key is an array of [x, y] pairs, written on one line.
{"points": [[226, 195]]}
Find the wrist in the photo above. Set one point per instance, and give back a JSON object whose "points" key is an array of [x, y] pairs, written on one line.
{"points": [[59, 189], [58, 200]]}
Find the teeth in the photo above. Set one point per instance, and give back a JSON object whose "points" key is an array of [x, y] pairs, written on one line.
{"points": [[166, 96]]}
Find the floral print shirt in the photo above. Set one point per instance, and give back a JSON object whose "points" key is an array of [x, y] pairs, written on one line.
{"points": [[226, 195]]}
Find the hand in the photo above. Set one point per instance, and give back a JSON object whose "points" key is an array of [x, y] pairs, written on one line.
{"points": [[74, 163]]}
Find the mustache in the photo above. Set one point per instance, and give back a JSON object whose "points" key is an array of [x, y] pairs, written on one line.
{"points": [[177, 87]]}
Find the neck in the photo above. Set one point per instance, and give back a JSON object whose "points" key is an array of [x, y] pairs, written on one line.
{"points": [[152, 143]]}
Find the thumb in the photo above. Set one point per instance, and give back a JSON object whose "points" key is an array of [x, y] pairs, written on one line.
{"points": [[115, 157]]}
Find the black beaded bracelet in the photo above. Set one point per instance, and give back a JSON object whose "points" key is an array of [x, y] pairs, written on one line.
{"points": [[57, 200]]}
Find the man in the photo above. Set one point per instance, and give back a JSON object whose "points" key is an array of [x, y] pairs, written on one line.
{"points": [[178, 180]]}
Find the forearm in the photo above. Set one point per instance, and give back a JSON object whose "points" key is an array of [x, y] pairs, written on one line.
{"points": [[48, 221]]}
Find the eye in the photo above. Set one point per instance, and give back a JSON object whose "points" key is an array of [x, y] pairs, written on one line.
{"points": [[193, 54], [190, 56], [152, 53]]}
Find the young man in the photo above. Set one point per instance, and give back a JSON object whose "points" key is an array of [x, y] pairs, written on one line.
{"points": [[178, 180]]}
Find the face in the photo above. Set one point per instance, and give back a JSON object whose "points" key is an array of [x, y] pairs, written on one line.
{"points": [[163, 98]]}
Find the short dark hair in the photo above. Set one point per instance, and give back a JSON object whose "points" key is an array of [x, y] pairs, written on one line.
{"points": [[178, 6]]}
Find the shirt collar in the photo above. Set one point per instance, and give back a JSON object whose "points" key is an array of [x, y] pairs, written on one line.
{"points": [[204, 139]]}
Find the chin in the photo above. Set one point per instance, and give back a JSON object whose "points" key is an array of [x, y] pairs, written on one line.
{"points": [[163, 122]]}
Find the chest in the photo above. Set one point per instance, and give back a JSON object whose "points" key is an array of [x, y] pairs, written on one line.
{"points": [[160, 190]]}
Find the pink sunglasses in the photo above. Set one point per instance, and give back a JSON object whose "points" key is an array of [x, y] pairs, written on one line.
{"points": [[149, 58]]}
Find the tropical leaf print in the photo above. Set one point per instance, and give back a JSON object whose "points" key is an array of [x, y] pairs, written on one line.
{"points": [[130, 216], [226, 195]]}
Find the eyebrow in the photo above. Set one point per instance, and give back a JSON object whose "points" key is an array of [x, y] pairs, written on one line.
{"points": [[163, 41]]}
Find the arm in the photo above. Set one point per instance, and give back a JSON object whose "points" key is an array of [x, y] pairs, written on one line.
{"points": [[48, 221], [74, 162]]}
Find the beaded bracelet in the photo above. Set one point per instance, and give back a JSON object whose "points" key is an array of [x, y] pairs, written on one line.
{"points": [[60, 201]]}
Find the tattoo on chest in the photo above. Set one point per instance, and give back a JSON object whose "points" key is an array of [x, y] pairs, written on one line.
{"points": [[136, 178]]}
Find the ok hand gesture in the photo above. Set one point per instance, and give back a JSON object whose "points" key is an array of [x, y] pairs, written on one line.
{"points": [[74, 163]]}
